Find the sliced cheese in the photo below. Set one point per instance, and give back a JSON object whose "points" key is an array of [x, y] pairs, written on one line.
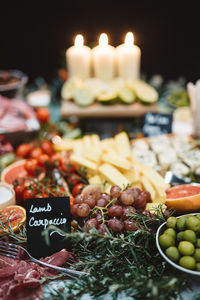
{"points": [[64, 145], [96, 179], [122, 144], [93, 154], [78, 147], [77, 159], [148, 187], [132, 175], [113, 175], [117, 161]]}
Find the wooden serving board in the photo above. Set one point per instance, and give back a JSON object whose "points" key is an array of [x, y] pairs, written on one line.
{"points": [[98, 110]]}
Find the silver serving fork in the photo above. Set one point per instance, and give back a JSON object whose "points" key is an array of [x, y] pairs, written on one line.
{"points": [[18, 252]]}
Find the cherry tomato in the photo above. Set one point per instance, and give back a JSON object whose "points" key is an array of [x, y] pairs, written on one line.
{"points": [[19, 192], [44, 160], [72, 201], [43, 115], [28, 193], [56, 160], [31, 166], [73, 179], [77, 189], [35, 153], [23, 150], [47, 147], [44, 195], [67, 168]]}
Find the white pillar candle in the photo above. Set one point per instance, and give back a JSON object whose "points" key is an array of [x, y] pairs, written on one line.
{"points": [[128, 58], [104, 59], [79, 59]]}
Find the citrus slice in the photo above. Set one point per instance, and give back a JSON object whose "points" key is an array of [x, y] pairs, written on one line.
{"points": [[14, 216], [184, 197], [126, 95], [14, 171], [83, 97], [143, 91]]}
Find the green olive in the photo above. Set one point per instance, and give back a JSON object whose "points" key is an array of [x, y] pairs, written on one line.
{"points": [[193, 223], [166, 241], [198, 243], [171, 232], [171, 222], [187, 262], [180, 236], [197, 254], [198, 266], [181, 223], [186, 248], [189, 235], [173, 253]]}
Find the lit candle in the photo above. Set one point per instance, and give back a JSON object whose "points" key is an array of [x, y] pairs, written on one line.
{"points": [[104, 59], [128, 58], [79, 59]]}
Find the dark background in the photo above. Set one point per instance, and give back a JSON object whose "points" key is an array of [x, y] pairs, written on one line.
{"points": [[35, 34]]}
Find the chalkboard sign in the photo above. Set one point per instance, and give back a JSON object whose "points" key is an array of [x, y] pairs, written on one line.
{"points": [[40, 213], [156, 124]]}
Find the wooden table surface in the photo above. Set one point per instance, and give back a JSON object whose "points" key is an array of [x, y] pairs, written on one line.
{"points": [[98, 110]]}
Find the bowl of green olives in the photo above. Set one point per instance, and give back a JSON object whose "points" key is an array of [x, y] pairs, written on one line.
{"points": [[178, 241]]}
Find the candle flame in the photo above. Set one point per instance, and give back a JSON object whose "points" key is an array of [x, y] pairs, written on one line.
{"points": [[129, 39], [79, 40], [103, 40]]}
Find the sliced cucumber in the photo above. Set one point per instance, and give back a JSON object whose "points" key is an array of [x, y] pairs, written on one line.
{"points": [[126, 95], [69, 88], [107, 97], [83, 97], [144, 92]]}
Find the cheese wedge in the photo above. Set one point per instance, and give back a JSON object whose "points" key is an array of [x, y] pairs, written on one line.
{"points": [[117, 161], [122, 144], [77, 159], [113, 175]]}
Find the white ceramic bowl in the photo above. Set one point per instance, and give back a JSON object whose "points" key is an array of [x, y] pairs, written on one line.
{"points": [[160, 230]]}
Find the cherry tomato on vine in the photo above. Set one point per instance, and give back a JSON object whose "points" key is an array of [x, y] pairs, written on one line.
{"points": [[28, 193], [35, 152], [31, 166], [44, 195], [47, 147], [44, 160], [77, 189], [19, 192], [73, 179], [68, 168], [23, 150], [43, 115], [56, 160]]}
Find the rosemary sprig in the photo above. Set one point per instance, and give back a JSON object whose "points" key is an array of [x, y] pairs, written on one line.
{"points": [[122, 264]]}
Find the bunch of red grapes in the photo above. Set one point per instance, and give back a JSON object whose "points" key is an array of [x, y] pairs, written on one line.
{"points": [[113, 210]]}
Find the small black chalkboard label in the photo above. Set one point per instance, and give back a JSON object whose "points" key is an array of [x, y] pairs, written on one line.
{"points": [[156, 124], [40, 213]]}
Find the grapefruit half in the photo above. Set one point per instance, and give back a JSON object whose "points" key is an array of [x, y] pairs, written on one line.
{"points": [[185, 197], [15, 171]]}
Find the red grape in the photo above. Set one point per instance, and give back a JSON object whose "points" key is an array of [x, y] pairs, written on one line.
{"points": [[91, 223], [73, 210], [130, 225], [79, 199], [115, 191], [136, 192], [105, 196], [127, 210], [83, 210], [127, 197], [115, 211], [115, 224], [102, 202], [141, 200], [90, 200], [102, 229]]}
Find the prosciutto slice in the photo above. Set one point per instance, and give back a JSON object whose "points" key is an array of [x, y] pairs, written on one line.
{"points": [[20, 279]]}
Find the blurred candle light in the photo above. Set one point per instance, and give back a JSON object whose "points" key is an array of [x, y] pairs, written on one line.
{"points": [[104, 59], [79, 59], [128, 58]]}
